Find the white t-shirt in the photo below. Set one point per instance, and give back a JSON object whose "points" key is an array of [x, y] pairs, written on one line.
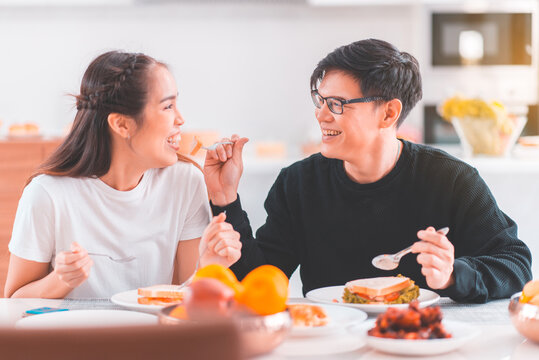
{"points": [[167, 206]]}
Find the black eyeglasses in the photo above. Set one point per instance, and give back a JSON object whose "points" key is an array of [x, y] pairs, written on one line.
{"points": [[336, 105]]}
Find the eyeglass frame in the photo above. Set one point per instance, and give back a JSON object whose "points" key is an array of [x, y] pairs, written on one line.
{"points": [[365, 99]]}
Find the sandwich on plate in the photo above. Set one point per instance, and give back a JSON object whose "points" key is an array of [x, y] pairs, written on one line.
{"points": [[381, 290], [161, 295]]}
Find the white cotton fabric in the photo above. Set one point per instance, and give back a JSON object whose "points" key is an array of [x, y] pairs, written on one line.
{"points": [[167, 206]]}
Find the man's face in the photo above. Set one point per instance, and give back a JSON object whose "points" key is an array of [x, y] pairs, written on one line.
{"points": [[356, 130]]}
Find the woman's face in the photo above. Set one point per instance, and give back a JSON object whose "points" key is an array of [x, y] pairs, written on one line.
{"points": [[156, 140], [353, 132]]}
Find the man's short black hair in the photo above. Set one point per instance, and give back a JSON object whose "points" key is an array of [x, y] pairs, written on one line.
{"points": [[380, 70]]}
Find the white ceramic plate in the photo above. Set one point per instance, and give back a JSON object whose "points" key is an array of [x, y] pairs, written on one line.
{"points": [[339, 317], [86, 318], [333, 295], [129, 299], [461, 332]]}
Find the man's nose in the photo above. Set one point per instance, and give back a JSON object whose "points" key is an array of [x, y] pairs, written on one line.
{"points": [[323, 113]]}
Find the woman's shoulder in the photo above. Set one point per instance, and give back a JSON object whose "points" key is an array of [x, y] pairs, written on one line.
{"points": [[50, 183]]}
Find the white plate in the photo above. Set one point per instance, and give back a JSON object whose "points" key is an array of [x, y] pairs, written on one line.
{"points": [[86, 318], [339, 317], [129, 299], [461, 332], [333, 295]]}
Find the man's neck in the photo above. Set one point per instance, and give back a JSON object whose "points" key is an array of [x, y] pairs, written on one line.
{"points": [[374, 165]]}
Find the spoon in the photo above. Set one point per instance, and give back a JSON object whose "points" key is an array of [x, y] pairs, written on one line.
{"points": [[391, 261]]}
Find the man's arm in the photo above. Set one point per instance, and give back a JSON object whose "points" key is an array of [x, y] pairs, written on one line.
{"points": [[490, 261], [276, 242]]}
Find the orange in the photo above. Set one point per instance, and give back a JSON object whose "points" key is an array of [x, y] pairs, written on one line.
{"points": [[221, 273], [265, 290], [530, 290], [179, 312]]}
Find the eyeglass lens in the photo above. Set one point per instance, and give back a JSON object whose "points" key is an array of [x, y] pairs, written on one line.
{"points": [[334, 105]]}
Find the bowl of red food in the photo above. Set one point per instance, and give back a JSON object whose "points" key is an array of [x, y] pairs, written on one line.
{"points": [[416, 331]]}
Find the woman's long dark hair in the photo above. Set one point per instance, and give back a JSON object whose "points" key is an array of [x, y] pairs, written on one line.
{"points": [[115, 82]]}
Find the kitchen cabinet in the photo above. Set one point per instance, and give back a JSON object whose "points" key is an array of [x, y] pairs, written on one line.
{"points": [[18, 159]]}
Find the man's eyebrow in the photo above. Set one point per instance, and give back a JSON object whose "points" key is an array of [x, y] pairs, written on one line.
{"points": [[171, 97]]}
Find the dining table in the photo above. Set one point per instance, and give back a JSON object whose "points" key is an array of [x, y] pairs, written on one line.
{"points": [[496, 337]]}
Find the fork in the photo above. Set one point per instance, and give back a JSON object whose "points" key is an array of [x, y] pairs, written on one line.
{"points": [[214, 146], [197, 145], [118, 260]]}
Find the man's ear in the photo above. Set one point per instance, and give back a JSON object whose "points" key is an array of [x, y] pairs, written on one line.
{"points": [[122, 125], [392, 111]]}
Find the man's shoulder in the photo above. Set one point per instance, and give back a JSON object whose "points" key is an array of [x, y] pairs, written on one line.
{"points": [[428, 157], [310, 166]]}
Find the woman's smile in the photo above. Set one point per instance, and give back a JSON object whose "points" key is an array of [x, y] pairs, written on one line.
{"points": [[174, 140]]}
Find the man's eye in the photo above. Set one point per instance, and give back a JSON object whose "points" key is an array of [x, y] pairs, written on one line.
{"points": [[333, 102], [170, 106]]}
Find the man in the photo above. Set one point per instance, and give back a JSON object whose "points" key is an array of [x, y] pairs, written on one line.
{"points": [[369, 193]]}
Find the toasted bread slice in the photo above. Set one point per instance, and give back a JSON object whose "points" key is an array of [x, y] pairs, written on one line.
{"points": [[160, 301], [162, 291], [378, 286]]}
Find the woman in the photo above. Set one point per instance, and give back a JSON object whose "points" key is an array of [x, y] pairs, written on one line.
{"points": [[115, 187]]}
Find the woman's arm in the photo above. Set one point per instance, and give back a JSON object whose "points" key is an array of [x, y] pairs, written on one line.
{"points": [[186, 259], [32, 279]]}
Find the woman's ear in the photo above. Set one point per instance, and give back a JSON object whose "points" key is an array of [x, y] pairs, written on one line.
{"points": [[392, 111], [121, 125]]}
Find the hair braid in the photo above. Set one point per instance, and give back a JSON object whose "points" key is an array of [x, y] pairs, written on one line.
{"points": [[108, 93]]}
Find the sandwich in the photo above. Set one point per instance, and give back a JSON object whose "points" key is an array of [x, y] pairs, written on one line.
{"points": [[160, 295], [381, 290]]}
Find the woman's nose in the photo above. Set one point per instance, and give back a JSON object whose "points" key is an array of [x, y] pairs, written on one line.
{"points": [[179, 119]]}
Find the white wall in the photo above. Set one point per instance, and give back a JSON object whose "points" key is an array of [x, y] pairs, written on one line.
{"points": [[239, 68]]}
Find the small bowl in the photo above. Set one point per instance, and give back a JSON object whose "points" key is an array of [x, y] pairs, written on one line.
{"points": [[259, 334], [525, 318]]}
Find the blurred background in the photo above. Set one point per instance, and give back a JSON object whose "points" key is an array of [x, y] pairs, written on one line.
{"points": [[244, 66]]}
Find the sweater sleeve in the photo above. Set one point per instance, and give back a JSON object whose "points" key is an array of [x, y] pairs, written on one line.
{"points": [[275, 242], [490, 261]]}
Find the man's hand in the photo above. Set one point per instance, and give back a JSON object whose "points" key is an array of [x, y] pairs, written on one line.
{"points": [[436, 256], [73, 267], [222, 170], [220, 243]]}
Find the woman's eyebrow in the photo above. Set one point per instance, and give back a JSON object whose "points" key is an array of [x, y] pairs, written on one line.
{"points": [[170, 97]]}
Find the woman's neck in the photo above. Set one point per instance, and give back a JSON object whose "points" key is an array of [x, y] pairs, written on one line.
{"points": [[125, 171], [371, 166]]}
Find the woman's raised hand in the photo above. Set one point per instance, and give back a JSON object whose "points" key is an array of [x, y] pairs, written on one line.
{"points": [[73, 267], [222, 170], [220, 243]]}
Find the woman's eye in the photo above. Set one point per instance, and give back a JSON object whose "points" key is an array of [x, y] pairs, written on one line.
{"points": [[170, 106]]}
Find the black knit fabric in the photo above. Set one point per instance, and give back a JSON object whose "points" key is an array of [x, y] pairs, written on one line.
{"points": [[332, 226]]}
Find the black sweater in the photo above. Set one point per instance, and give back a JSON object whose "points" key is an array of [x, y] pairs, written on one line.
{"points": [[332, 226]]}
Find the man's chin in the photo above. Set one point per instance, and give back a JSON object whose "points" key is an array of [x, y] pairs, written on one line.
{"points": [[327, 153]]}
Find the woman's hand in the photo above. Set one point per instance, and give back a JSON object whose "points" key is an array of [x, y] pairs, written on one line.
{"points": [[220, 243], [73, 267], [436, 257], [222, 170]]}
